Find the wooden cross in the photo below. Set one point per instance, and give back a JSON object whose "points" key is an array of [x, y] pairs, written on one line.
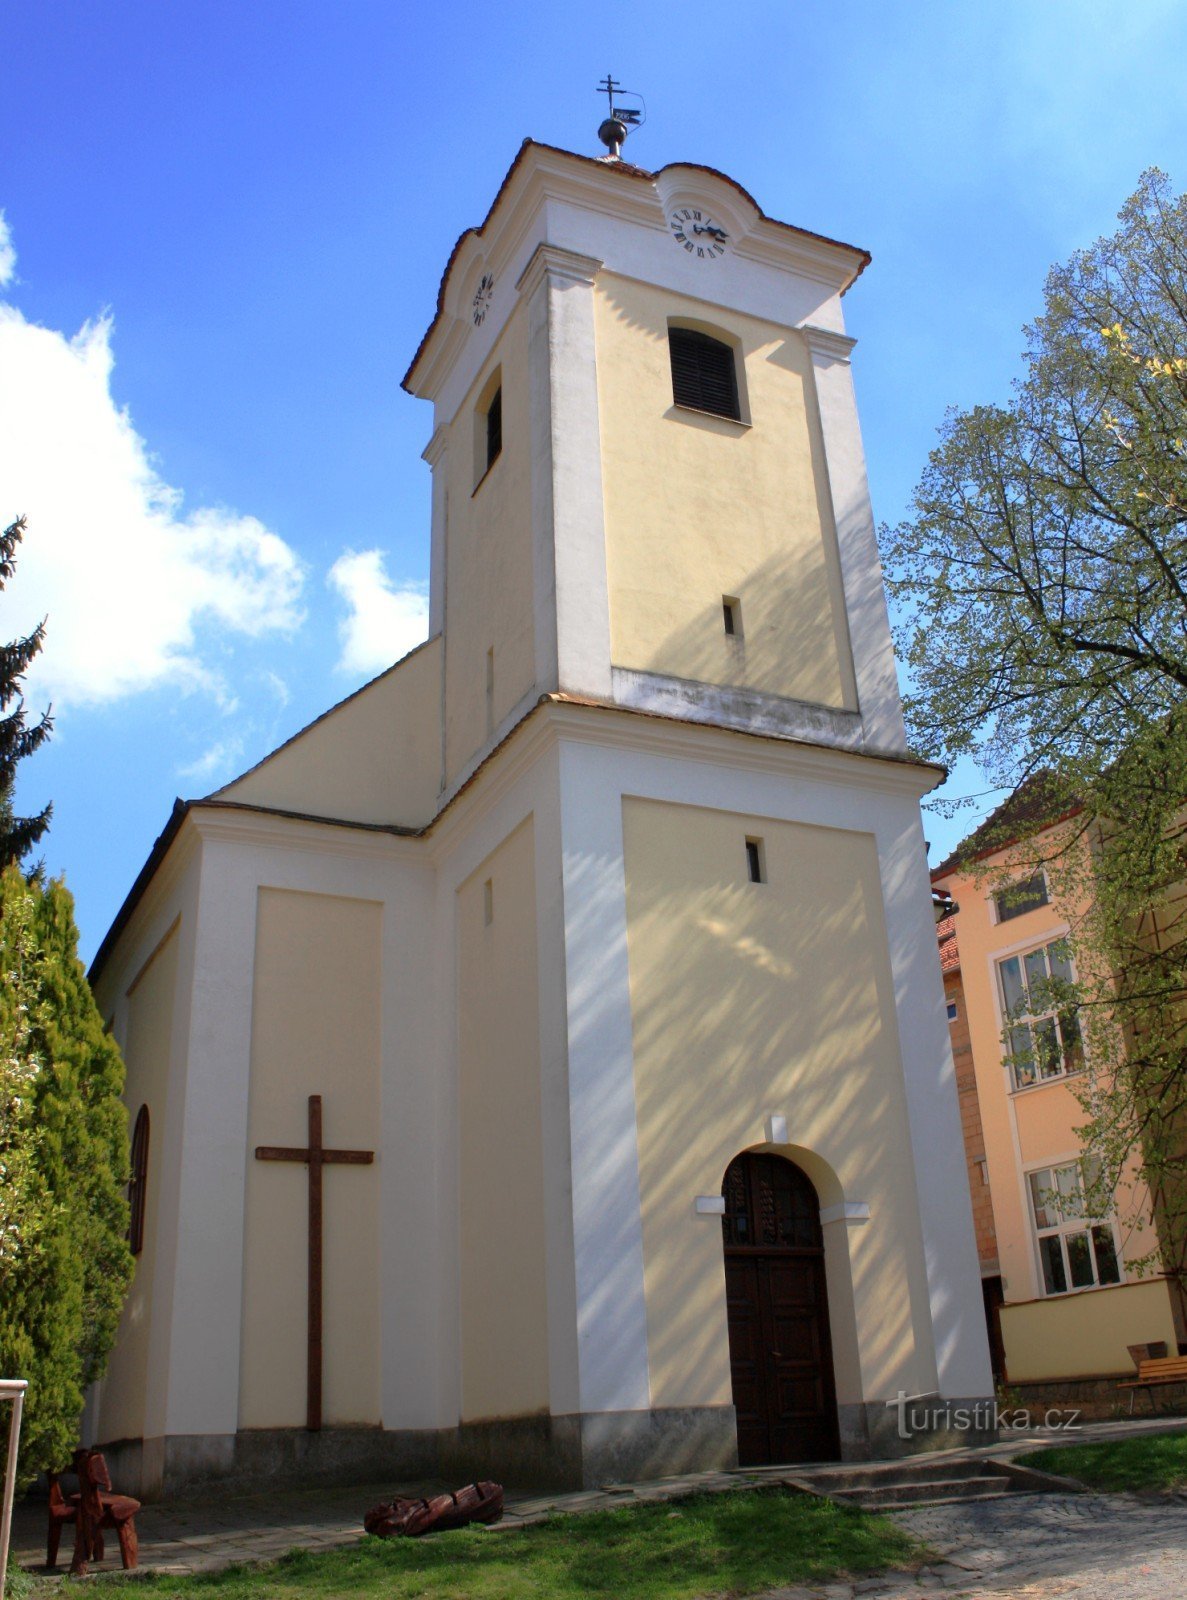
{"points": [[315, 1158]]}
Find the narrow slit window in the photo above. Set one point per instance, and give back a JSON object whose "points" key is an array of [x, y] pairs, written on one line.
{"points": [[138, 1184], [704, 377], [490, 689], [731, 612], [755, 864], [494, 428], [488, 902]]}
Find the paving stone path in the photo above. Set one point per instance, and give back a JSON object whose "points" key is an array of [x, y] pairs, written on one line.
{"points": [[1074, 1547]]}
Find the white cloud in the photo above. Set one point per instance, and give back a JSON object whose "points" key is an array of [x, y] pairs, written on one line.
{"points": [[132, 586], [218, 761], [383, 622], [7, 253]]}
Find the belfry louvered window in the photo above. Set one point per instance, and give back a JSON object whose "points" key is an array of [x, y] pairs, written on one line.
{"points": [[703, 373]]}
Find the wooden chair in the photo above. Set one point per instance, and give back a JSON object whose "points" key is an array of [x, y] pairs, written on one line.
{"points": [[96, 1508], [61, 1511]]}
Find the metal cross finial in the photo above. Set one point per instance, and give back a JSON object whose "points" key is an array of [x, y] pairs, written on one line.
{"points": [[607, 87]]}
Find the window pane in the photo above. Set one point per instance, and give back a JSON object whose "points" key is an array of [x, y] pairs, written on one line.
{"points": [[1071, 1196], [1036, 980], [1046, 1216], [1047, 1052], [1022, 1055], [1057, 956], [1107, 1268], [1080, 1261], [1073, 1045], [1012, 992], [1054, 1278]]}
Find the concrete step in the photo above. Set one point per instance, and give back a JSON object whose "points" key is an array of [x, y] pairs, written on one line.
{"points": [[921, 1470], [928, 1491]]}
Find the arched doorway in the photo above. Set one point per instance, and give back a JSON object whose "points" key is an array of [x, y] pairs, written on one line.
{"points": [[781, 1360]]}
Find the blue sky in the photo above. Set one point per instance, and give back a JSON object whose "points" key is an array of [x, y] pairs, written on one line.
{"points": [[225, 228]]}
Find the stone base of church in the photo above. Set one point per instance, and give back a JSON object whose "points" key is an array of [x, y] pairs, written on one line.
{"points": [[875, 1430], [256, 1458], [583, 1451], [554, 1452]]}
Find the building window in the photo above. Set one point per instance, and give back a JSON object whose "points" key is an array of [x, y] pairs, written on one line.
{"points": [[731, 612], [488, 426], [756, 866], [1018, 898], [1075, 1251], [1042, 1030], [138, 1183], [704, 377], [952, 1012], [494, 428]]}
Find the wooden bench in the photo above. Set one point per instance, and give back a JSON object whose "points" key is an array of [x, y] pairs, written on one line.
{"points": [[1152, 1374]]}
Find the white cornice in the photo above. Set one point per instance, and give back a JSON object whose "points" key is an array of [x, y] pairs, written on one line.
{"points": [[269, 829], [562, 266], [827, 342], [435, 449]]}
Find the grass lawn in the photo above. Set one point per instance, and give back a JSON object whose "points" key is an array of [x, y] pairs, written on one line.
{"points": [[1149, 1462], [721, 1544]]}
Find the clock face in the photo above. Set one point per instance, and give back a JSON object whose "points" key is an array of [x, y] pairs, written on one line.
{"points": [[482, 297], [696, 232]]}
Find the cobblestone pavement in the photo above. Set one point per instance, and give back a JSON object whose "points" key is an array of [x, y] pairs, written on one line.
{"points": [[1074, 1547]]}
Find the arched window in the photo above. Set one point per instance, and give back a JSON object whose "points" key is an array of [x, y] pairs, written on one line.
{"points": [[138, 1184], [704, 376], [769, 1203]]}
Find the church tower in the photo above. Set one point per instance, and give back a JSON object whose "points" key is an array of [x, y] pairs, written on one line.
{"points": [[600, 923]]}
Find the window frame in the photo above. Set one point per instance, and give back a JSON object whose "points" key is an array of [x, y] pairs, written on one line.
{"points": [[997, 895], [1069, 1050], [1066, 1226], [704, 332], [489, 396]]}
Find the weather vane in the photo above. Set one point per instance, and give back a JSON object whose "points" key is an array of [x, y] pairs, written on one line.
{"points": [[614, 129]]}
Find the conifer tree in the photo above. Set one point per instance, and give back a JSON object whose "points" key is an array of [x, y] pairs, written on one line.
{"points": [[18, 835], [64, 1259]]}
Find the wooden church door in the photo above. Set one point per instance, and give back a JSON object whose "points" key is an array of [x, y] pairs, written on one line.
{"points": [[781, 1360]]}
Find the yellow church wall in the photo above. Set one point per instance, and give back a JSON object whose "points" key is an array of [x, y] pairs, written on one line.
{"points": [[376, 757], [315, 1030], [151, 999], [504, 1309], [1085, 1335], [750, 999], [488, 580], [698, 508]]}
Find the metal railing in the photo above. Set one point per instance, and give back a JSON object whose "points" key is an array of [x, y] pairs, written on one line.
{"points": [[10, 1389]]}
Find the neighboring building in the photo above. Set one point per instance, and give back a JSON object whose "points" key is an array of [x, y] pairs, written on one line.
{"points": [[974, 1137], [1072, 1303], [600, 923]]}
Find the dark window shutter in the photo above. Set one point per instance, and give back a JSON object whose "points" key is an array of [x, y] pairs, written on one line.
{"points": [[703, 373], [494, 428]]}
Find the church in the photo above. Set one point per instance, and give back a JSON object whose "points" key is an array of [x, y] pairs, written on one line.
{"points": [[539, 1065]]}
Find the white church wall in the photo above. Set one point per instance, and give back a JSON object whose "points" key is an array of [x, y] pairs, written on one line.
{"points": [[376, 757], [503, 1293], [701, 507], [489, 656], [316, 1025], [927, 1251], [146, 1043]]}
